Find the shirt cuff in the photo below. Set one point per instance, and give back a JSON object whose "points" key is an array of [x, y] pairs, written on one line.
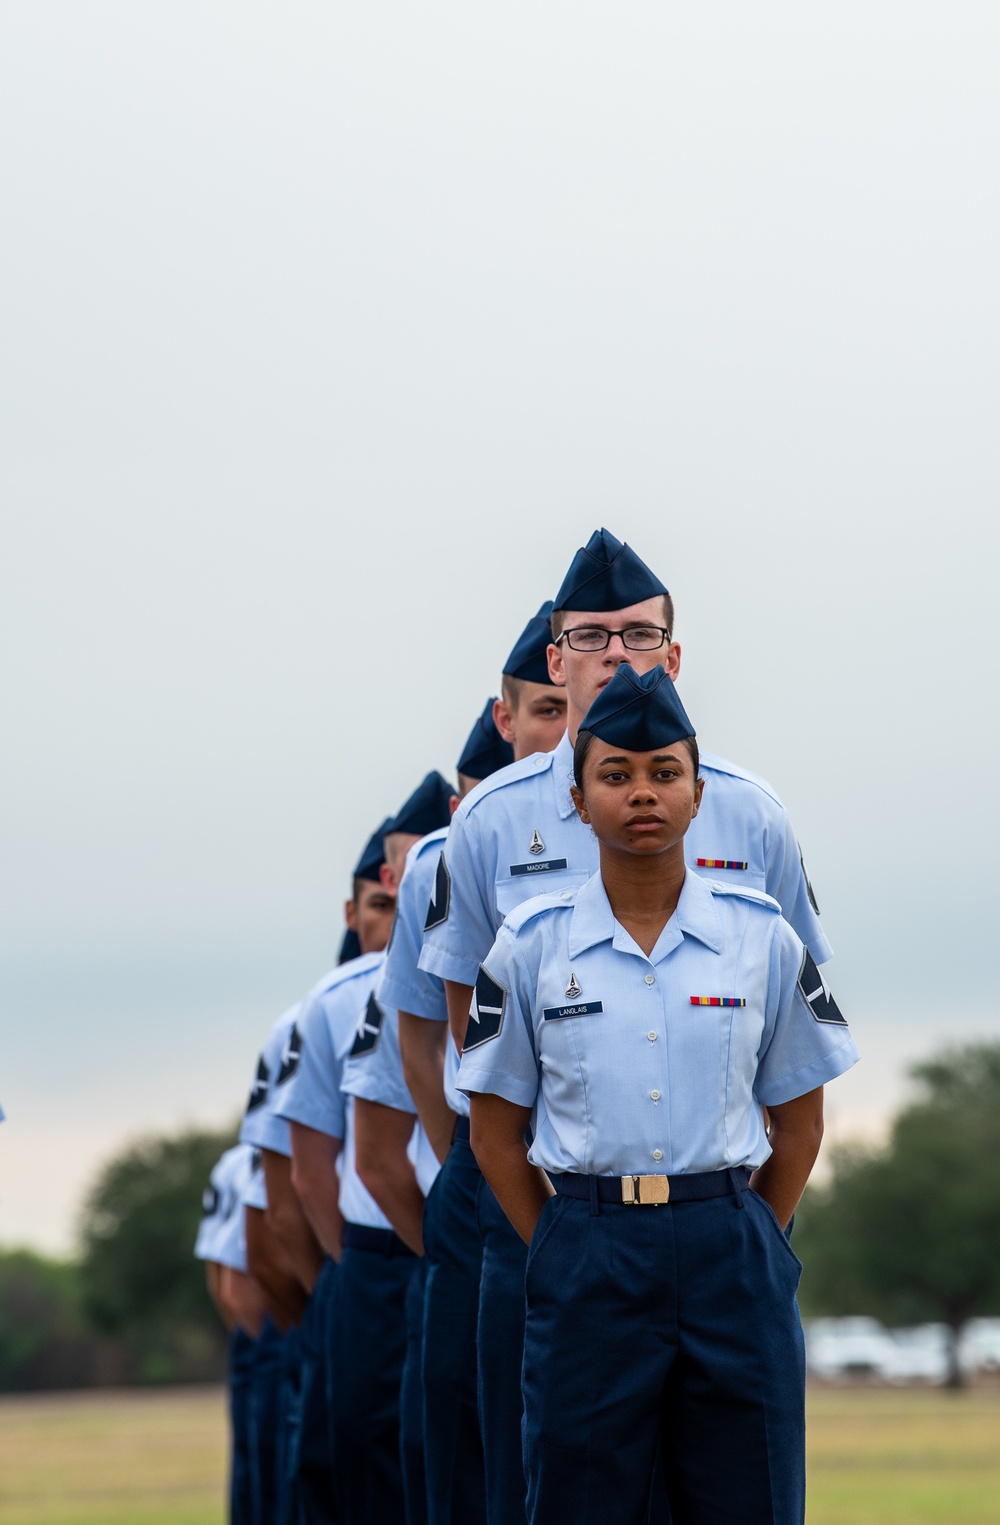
{"points": [[818, 1073]]}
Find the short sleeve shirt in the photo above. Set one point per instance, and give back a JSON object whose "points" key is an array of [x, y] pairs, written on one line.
{"points": [[659, 1064], [517, 835], [315, 1095], [262, 1125], [216, 1202], [374, 1072], [231, 1241], [405, 986]]}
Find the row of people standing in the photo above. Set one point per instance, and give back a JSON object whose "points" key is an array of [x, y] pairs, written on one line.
{"points": [[379, 1218]]}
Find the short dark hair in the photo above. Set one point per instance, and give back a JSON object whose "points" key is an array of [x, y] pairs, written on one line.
{"points": [[512, 689], [558, 617], [585, 740]]}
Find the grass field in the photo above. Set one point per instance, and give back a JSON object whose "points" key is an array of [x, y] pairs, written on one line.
{"points": [[875, 1458]]}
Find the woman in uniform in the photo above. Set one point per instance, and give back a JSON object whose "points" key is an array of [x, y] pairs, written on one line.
{"points": [[639, 1026]]}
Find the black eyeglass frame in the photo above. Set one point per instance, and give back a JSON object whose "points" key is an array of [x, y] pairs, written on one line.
{"points": [[565, 636]]}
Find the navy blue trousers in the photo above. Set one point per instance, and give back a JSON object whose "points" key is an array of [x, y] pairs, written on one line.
{"points": [[456, 1490], [367, 1344], [289, 1418], [314, 1462], [241, 1361], [411, 1402], [262, 1423], [500, 1341], [674, 1325]]}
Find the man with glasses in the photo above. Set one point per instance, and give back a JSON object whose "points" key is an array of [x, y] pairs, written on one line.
{"points": [[519, 835]]}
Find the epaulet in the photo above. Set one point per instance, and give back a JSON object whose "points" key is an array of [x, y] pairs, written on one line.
{"points": [[528, 767], [432, 839], [714, 764], [744, 892], [538, 905]]}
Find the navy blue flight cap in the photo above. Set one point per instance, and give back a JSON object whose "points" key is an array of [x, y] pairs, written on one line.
{"points": [[427, 809], [605, 574], [373, 854], [349, 948], [638, 712], [528, 659], [485, 751]]}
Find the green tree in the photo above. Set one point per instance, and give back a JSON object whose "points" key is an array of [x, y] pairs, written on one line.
{"points": [[911, 1231], [139, 1278]]}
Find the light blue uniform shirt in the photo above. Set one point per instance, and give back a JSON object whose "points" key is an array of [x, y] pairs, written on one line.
{"points": [[625, 1074], [262, 1125], [405, 985], [315, 1095], [517, 834], [374, 1072], [217, 1201], [230, 1242]]}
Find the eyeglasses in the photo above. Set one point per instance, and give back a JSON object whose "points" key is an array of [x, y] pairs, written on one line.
{"points": [[596, 638]]}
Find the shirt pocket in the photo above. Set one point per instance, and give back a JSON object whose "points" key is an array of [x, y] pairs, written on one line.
{"points": [[515, 889]]}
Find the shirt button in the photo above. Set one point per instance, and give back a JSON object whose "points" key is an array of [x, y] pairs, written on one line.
{"points": [[541, 761], [657, 1154], [650, 979], [651, 1036], [654, 1095], [566, 894]]}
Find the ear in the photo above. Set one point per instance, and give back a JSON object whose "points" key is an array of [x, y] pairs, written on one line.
{"points": [[699, 790], [453, 804], [503, 719], [576, 795], [351, 915], [557, 671], [672, 660], [385, 878]]}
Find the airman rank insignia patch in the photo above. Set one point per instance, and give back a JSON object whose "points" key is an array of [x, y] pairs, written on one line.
{"points": [[718, 1000], [486, 1014], [437, 911], [255, 1161], [290, 1055], [722, 863], [261, 1083], [816, 993], [369, 1029], [209, 1202], [809, 888]]}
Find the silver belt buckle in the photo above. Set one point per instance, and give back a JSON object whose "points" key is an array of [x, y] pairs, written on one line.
{"points": [[645, 1191]]}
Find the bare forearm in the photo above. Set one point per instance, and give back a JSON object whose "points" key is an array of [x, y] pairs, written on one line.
{"points": [[381, 1137], [272, 1270], [795, 1136], [394, 1187], [422, 1045], [520, 1187], [245, 1298], [317, 1185], [287, 1221]]}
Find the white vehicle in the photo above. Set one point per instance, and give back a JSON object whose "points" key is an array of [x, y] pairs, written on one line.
{"points": [[844, 1349], [920, 1354], [979, 1345]]}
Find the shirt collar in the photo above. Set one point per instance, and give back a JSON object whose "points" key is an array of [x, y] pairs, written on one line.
{"points": [[562, 777], [696, 916]]}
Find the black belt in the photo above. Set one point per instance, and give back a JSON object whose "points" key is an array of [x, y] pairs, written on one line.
{"points": [[654, 1191], [461, 1130], [360, 1236]]}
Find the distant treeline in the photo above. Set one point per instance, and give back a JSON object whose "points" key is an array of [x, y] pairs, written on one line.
{"points": [[132, 1306], [907, 1231]]}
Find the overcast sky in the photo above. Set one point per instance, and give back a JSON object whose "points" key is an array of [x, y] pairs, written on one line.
{"points": [[329, 333]]}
